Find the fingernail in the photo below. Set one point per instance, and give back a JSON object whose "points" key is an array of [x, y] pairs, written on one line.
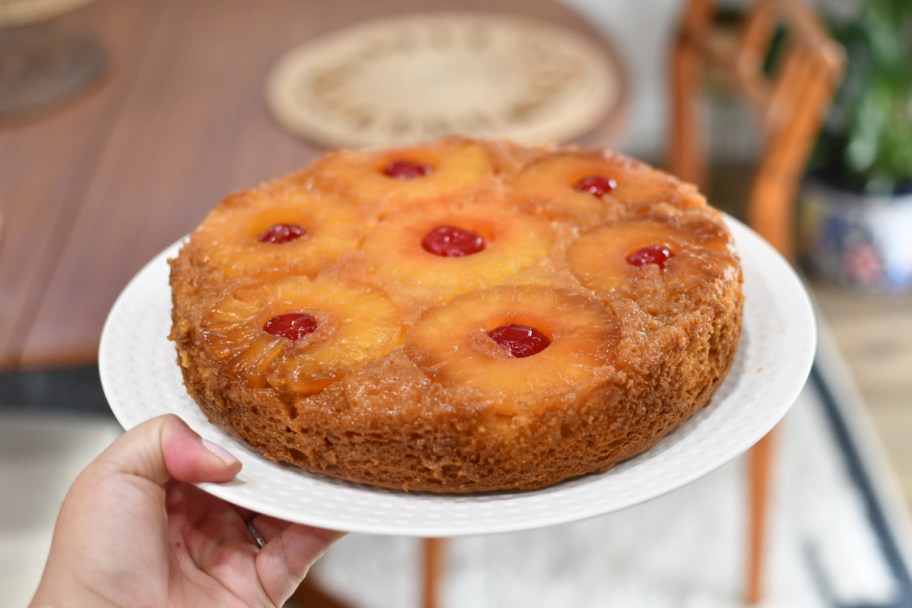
{"points": [[220, 452]]}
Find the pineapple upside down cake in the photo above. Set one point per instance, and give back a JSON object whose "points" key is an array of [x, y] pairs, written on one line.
{"points": [[458, 316]]}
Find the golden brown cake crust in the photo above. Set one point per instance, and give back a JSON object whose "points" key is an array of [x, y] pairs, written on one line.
{"points": [[399, 386]]}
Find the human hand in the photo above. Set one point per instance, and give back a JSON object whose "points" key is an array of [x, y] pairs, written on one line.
{"points": [[133, 531]]}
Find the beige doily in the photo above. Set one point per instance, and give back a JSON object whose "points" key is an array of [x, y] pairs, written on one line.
{"points": [[408, 79]]}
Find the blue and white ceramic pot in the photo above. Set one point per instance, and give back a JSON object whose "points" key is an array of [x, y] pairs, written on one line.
{"points": [[859, 240]]}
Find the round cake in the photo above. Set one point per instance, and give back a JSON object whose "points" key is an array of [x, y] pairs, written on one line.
{"points": [[458, 316]]}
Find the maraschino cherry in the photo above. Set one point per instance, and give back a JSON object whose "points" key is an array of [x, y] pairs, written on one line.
{"points": [[653, 254], [452, 242], [291, 325], [596, 185], [281, 233], [520, 340], [406, 169]]}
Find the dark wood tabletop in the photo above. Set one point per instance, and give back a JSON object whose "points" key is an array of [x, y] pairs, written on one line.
{"points": [[93, 187]]}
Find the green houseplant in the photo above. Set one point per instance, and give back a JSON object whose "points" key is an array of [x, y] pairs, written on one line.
{"points": [[856, 224]]}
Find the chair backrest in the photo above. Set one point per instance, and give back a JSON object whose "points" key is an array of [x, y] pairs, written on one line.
{"points": [[790, 100]]}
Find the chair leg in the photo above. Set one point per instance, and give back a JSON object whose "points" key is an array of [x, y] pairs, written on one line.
{"points": [[686, 156], [759, 468], [433, 571]]}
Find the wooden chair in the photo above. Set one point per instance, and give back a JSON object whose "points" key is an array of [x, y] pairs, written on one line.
{"points": [[790, 102]]}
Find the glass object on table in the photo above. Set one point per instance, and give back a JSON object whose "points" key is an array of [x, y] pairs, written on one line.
{"points": [[40, 63]]}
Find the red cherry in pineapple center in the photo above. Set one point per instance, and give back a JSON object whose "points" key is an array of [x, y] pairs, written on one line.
{"points": [[653, 254], [452, 242], [291, 325], [596, 185], [281, 233], [520, 340], [406, 169]]}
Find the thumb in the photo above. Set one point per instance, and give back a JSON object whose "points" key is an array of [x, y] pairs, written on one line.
{"points": [[166, 448]]}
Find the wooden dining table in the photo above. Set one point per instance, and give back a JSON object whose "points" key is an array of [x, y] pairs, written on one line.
{"points": [[93, 186]]}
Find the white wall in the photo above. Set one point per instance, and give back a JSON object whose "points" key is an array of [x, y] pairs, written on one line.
{"points": [[641, 31]]}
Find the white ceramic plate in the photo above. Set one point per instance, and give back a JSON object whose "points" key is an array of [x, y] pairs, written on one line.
{"points": [[141, 380]]}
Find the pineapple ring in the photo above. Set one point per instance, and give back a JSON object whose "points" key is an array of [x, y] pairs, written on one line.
{"points": [[451, 344], [514, 245], [698, 254], [355, 324], [230, 236], [551, 180], [455, 164]]}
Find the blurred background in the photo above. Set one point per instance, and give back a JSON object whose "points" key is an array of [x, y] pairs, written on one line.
{"points": [[122, 122]]}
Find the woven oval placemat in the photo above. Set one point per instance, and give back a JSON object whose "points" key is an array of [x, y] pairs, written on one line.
{"points": [[407, 79]]}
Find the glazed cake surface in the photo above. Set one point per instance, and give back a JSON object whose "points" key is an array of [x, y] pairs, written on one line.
{"points": [[458, 316]]}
